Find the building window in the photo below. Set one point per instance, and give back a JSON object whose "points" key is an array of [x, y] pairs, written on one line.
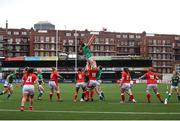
{"points": [[118, 36], [36, 46], [154, 42], [9, 33], [16, 33], [131, 50], [17, 48], [46, 53], [1, 45], [25, 40], [47, 46], [1, 37], [124, 36], [122, 43], [163, 42], [82, 34], [41, 53], [106, 54], [47, 39], [36, 54], [76, 34], [125, 43], [125, 50], [106, 48], [64, 42], [71, 49], [107, 41], [101, 41], [131, 36], [42, 46], [97, 41], [111, 41], [159, 42], [18, 40], [68, 34], [111, 48], [10, 54], [10, 41], [176, 38], [70, 42], [52, 53], [102, 48], [17, 54], [36, 38], [24, 33], [131, 43], [52, 39], [52, 47], [138, 36], [42, 38]]}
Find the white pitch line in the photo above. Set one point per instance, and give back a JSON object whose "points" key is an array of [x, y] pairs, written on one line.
{"points": [[95, 112], [146, 103]]}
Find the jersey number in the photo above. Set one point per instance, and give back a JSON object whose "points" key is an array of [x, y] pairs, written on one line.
{"points": [[93, 74], [29, 79]]}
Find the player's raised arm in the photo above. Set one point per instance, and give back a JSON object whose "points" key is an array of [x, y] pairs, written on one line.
{"points": [[91, 40]]}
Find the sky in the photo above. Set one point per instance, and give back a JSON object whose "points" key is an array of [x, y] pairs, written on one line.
{"points": [[152, 16]]}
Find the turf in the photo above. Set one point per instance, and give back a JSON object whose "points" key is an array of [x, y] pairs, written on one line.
{"points": [[106, 110]]}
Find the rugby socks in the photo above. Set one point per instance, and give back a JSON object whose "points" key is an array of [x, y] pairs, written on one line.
{"points": [[50, 97], [40, 94], [131, 97], [87, 94], [149, 98], [75, 97], [92, 94], [123, 97], [159, 97], [8, 96], [30, 108], [58, 95], [169, 96]]}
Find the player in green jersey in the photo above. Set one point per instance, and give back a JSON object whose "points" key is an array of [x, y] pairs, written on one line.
{"points": [[41, 83], [85, 49], [8, 87], [98, 87], [174, 86]]}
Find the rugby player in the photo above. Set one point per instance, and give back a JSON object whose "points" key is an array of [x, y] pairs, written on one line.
{"points": [[28, 81], [8, 86], [125, 85], [152, 77], [174, 87]]}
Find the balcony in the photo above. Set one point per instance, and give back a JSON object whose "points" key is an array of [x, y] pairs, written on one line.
{"points": [[128, 46], [103, 51], [156, 45], [42, 49], [158, 52], [104, 44], [161, 59], [15, 44]]}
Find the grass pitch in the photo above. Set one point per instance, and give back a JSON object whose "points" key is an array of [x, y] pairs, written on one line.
{"points": [[98, 110]]}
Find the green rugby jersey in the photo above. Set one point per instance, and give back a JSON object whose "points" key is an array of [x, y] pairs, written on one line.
{"points": [[175, 80]]}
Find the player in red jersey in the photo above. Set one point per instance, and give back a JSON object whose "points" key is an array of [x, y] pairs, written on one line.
{"points": [[92, 73], [152, 84], [28, 81], [53, 84], [80, 84], [125, 85]]}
